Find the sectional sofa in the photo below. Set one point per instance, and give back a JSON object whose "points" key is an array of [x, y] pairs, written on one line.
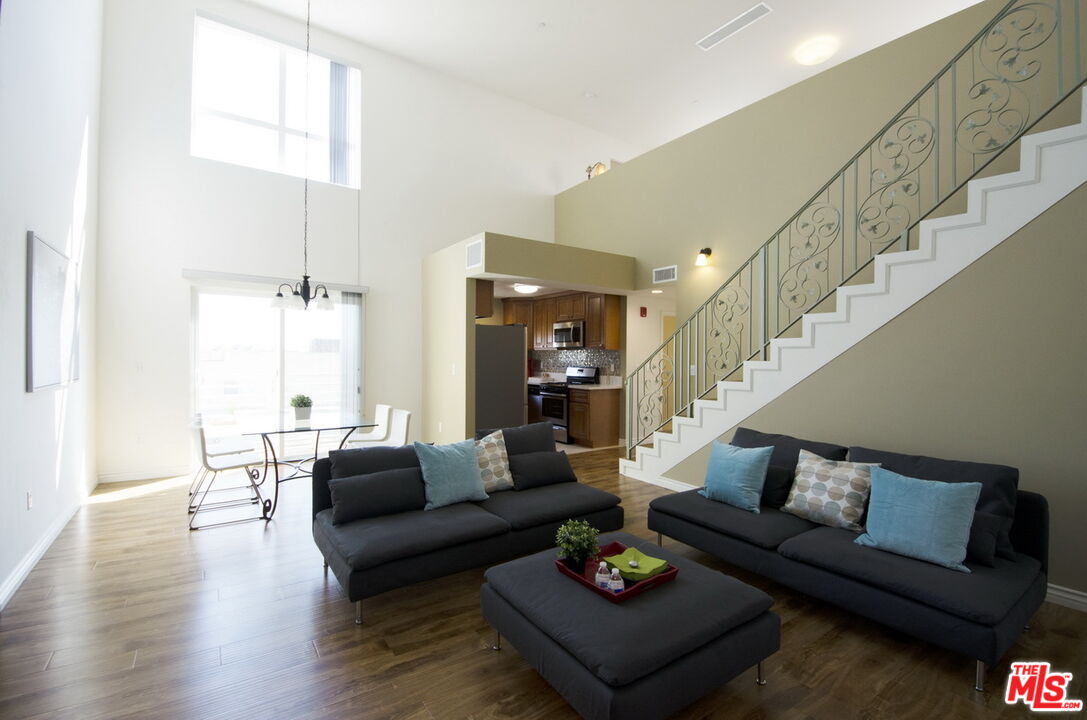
{"points": [[377, 536], [979, 614]]}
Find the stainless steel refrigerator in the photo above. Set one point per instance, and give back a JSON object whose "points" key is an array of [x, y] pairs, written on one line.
{"points": [[501, 375]]}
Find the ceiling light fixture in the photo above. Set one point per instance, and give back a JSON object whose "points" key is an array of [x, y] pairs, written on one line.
{"points": [[734, 26], [525, 289], [303, 291], [816, 50], [703, 258], [656, 292]]}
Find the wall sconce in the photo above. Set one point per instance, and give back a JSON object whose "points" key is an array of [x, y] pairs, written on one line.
{"points": [[703, 258], [597, 169]]}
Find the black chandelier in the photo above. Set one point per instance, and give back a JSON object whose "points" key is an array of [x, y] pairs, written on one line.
{"points": [[303, 290]]}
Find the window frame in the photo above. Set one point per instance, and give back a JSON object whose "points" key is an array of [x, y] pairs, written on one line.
{"points": [[243, 289], [353, 151]]}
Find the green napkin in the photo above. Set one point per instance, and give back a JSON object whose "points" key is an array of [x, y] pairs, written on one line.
{"points": [[647, 566]]}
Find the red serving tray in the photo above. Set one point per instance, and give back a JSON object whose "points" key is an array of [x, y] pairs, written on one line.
{"points": [[635, 587]]}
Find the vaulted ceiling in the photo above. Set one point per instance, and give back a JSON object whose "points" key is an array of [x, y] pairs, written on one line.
{"points": [[627, 68]]}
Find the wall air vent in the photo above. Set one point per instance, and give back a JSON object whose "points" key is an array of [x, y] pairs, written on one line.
{"points": [[473, 254], [734, 26], [665, 274]]}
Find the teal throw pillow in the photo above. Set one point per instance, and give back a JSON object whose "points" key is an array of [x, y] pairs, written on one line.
{"points": [[736, 475], [923, 519], [450, 473]]}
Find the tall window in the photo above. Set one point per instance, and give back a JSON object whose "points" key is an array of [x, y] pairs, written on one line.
{"points": [[250, 359], [250, 106]]}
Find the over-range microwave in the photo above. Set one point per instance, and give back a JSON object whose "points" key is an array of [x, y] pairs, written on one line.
{"points": [[568, 334]]}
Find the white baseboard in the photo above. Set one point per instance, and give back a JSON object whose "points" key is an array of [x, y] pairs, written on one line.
{"points": [[12, 582], [144, 475], [1067, 597]]}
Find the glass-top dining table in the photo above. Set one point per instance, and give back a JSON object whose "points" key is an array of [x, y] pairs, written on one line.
{"points": [[299, 466]]}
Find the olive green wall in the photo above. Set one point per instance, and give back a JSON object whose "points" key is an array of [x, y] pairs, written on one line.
{"points": [[989, 368], [731, 184]]}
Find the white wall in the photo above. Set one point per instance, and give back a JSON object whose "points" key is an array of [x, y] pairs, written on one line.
{"points": [[49, 72], [441, 161]]}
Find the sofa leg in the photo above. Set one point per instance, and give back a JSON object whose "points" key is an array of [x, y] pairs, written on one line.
{"points": [[358, 612], [497, 641], [979, 677], [659, 541], [759, 680], [326, 563]]}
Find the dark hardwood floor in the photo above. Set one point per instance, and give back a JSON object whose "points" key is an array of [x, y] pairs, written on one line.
{"points": [[130, 615]]}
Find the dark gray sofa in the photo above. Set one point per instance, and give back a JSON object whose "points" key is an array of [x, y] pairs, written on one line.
{"points": [[979, 614], [388, 550]]}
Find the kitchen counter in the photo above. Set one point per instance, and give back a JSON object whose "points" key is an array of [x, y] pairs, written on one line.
{"points": [[595, 387]]}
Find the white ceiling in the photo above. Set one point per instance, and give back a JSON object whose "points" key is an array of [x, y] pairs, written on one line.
{"points": [[627, 68]]}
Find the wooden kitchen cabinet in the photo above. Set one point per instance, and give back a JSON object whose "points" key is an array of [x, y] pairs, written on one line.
{"points": [[484, 298], [602, 321], [543, 314], [570, 307], [517, 312], [594, 417]]}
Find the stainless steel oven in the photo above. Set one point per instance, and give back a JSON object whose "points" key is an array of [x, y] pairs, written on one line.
{"points": [[568, 334], [553, 409]]}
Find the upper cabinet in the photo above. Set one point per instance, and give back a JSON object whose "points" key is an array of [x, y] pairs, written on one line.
{"points": [[599, 312], [543, 312], [570, 307], [517, 312], [484, 298], [602, 321]]}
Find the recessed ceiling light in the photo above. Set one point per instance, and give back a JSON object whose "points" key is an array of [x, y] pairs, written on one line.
{"points": [[816, 50], [525, 289], [656, 292], [590, 95]]}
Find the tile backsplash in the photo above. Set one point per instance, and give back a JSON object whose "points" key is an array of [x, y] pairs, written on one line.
{"points": [[556, 361]]}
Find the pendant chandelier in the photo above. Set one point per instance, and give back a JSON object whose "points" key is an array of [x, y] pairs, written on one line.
{"points": [[303, 290]]}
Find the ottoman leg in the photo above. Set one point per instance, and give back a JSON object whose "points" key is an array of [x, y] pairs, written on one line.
{"points": [[497, 641], [758, 675], [979, 676], [358, 612]]}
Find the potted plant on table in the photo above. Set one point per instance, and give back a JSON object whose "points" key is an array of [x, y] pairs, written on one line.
{"points": [[576, 541], [302, 406]]}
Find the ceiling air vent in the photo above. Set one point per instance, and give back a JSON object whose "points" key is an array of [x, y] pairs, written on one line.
{"points": [[473, 254], [665, 274], [734, 26]]}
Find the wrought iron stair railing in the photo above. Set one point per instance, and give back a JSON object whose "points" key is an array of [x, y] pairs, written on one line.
{"points": [[1020, 66]]}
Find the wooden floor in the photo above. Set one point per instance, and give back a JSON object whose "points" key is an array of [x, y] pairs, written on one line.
{"points": [[130, 615]]}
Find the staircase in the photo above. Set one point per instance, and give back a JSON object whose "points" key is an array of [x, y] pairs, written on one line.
{"points": [[795, 305]]}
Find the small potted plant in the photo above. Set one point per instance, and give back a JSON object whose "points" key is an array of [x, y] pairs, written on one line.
{"points": [[576, 541], [302, 406]]}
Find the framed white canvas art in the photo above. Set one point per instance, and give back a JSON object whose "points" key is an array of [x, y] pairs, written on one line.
{"points": [[52, 316]]}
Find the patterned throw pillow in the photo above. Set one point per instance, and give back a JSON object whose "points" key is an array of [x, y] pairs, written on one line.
{"points": [[494, 464], [830, 492]]}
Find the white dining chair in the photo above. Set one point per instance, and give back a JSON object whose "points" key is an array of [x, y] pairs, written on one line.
{"points": [[398, 428], [379, 432], [216, 447], [399, 421], [210, 469]]}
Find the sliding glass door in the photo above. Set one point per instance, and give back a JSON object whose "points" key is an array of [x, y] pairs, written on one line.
{"points": [[250, 359]]}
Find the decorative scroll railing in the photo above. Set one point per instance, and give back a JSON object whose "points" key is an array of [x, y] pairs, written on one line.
{"points": [[1021, 65]]}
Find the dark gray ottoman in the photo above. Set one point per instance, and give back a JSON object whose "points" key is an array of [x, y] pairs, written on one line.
{"points": [[645, 658]]}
